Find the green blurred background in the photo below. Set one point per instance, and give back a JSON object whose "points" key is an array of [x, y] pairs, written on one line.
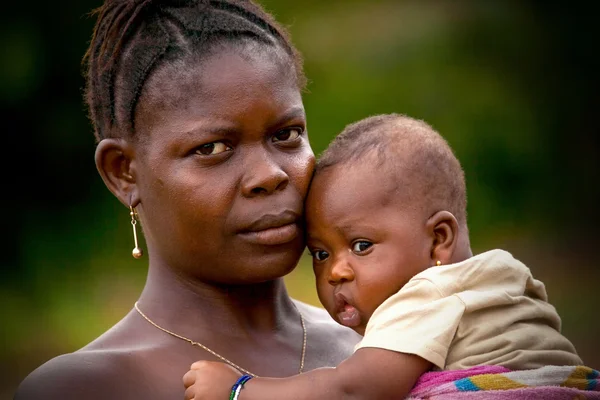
{"points": [[512, 85]]}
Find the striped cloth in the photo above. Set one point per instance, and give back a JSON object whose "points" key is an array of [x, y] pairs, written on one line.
{"points": [[499, 383]]}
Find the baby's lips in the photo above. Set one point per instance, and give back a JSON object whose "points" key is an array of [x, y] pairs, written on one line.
{"points": [[340, 302], [349, 317]]}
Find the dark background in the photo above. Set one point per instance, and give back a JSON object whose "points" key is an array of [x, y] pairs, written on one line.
{"points": [[512, 85]]}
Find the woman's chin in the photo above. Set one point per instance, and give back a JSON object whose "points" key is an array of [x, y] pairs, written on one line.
{"points": [[271, 265]]}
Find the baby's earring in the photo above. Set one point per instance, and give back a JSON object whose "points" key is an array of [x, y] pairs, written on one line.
{"points": [[438, 263], [137, 252]]}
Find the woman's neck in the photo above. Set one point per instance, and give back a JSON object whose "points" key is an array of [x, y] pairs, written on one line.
{"points": [[187, 305]]}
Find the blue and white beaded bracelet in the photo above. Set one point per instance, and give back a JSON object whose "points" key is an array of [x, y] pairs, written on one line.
{"points": [[237, 386]]}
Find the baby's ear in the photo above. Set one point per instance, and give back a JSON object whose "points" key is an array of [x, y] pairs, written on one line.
{"points": [[114, 163], [443, 229]]}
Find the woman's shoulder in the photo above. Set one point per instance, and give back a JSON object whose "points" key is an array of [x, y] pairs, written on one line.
{"points": [[318, 316], [330, 343], [102, 369], [84, 373]]}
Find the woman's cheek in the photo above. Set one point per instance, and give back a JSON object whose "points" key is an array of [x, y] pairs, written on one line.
{"points": [[303, 171]]}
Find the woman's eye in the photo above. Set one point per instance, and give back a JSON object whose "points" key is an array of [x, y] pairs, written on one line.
{"points": [[319, 255], [287, 135], [361, 246], [213, 148]]}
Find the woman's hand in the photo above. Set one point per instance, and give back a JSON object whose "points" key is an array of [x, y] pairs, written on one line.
{"points": [[209, 380]]}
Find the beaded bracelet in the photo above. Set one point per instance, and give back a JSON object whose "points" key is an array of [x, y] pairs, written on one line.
{"points": [[237, 386]]}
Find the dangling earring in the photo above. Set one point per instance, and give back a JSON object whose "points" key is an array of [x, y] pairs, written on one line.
{"points": [[137, 252], [438, 263]]}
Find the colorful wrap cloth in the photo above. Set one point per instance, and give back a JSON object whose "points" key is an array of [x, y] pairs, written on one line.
{"points": [[499, 383]]}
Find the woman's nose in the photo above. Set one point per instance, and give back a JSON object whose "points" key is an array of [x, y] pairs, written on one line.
{"points": [[340, 272], [263, 174]]}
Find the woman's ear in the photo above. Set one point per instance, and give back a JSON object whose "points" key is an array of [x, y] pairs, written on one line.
{"points": [[443, 228], [114, 163]]}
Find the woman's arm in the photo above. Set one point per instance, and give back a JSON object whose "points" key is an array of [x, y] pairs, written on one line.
{"points": [[370, 373]]}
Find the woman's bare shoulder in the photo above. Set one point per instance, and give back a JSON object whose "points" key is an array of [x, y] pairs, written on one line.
{"points": [[82, 374], [317, 315], [102, 369], [329, 342]]}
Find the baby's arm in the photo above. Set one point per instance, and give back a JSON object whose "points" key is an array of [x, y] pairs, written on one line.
{"points": [[370, 373]]}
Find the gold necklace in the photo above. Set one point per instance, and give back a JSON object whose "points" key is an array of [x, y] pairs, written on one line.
{"points": [[234, 365]]}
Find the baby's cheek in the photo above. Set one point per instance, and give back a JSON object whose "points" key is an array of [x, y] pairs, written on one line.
{"points": [[324, 292], [320, 278]]}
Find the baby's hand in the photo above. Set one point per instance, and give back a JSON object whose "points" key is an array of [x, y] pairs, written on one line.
{"points": [[209, 380]]}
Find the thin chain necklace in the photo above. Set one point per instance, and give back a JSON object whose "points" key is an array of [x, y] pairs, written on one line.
{"points": [[234, 365]]}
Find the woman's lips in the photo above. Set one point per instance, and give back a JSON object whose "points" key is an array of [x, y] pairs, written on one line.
{"points": [[272, 229], [272, 236]]}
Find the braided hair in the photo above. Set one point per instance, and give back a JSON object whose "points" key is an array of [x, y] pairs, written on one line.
{"points": [[132, 38]]}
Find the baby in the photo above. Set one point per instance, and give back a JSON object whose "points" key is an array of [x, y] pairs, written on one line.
{"points": [[387, 230]]}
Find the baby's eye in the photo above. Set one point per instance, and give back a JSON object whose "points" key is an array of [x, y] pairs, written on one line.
{"points": [[213, 148], [361, 246], [287, 135], [319, 255]]}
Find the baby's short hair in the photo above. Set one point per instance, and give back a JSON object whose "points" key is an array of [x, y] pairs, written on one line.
{"points": [[421, 163]]}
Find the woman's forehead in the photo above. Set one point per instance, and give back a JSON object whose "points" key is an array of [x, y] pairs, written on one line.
{"points": [[226, 85], [225, 71]]}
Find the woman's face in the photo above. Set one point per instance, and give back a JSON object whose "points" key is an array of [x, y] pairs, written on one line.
{"points": [[223, 167]]}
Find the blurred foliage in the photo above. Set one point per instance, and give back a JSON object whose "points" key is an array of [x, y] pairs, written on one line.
{"points": [[512, 85]]}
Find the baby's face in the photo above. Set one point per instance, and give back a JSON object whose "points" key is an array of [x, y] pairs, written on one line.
{"points": [[365, 245]]}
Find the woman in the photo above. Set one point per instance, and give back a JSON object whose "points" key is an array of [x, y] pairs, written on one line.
{"points": [[201, 133]]}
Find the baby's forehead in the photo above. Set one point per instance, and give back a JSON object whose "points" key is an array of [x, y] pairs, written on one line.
{"points": [[406, 159], [396, 170], [368, 181], [388, 165]]}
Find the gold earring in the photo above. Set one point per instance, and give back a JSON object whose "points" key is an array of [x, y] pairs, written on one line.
{"points": [[438, 263], [137, 252]]}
